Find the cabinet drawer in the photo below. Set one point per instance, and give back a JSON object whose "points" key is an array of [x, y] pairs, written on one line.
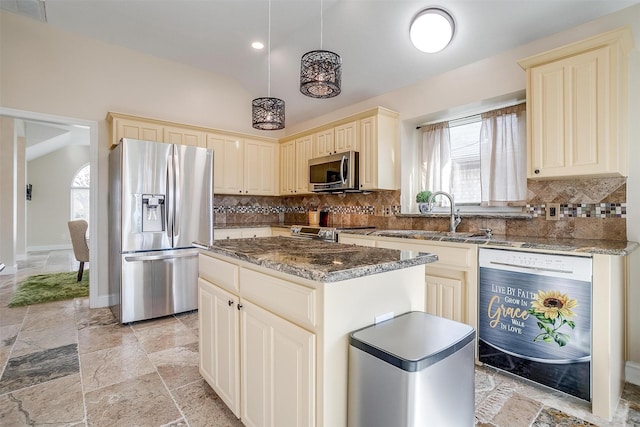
{"points": [[294, 302], [447, 255], [221, 273]]}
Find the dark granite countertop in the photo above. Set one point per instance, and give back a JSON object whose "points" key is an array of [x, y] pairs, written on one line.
{"points": [[317, 260], [592, 246]]}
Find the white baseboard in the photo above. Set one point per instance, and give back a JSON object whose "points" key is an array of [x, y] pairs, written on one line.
{"points": [[13, 269], [48, 248], [100, 301], [632, 372]]}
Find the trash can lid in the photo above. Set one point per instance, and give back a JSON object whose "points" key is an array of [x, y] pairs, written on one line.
{"points": [[414, 340]]}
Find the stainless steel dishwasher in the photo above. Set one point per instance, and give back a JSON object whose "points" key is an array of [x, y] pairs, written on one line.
{"points": [[535, 317]]}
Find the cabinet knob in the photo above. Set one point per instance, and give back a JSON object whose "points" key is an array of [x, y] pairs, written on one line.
{"points": [[230, 303], [239, 306], [240, 191], [537, 171]]}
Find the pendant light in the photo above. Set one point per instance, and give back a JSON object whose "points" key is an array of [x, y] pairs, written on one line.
{"points": [[267, 113], [320, 71]]}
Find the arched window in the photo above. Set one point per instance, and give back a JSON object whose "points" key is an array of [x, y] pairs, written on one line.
{"points": [[80, 193]]}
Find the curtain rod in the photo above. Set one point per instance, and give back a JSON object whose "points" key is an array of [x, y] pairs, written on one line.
{"points": [[510, 104]]}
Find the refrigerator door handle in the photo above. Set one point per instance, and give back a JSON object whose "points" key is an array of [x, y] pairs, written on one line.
{"points": [[170, 205], [159, 257], [175, 227]]}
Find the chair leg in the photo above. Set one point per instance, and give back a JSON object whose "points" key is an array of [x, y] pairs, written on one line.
{"points": [[80, 270]]}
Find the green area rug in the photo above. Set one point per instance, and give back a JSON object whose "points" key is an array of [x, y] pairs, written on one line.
{"points": [[50, 287]]}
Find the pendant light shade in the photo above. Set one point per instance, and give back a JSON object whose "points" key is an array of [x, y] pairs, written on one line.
{"points": [[320, 74], [320, 71], [267, 113]]}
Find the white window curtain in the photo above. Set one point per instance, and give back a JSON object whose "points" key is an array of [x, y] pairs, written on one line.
{"points": [[436, 157], [503, 155]]}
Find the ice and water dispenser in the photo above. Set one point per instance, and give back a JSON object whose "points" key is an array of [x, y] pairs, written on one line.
{"points": [[153, 212]]}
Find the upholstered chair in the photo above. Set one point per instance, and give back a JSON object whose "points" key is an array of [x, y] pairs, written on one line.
{"points": [[78, 231]]}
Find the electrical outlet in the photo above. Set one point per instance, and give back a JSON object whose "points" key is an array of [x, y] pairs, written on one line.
{"points": [[386, 210], [553, 211]]}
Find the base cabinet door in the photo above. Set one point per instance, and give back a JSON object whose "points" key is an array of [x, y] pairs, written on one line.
{"points": [[219, 346], [278, 370], [445, 297]]}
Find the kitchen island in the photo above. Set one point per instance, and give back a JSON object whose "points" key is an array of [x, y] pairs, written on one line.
{"points": [[275, 314]]}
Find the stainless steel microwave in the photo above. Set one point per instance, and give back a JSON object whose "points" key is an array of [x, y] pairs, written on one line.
{"points": [[336, 172]]}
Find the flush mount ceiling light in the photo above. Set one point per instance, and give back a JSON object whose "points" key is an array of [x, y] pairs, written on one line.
{"points": [[320, 71], [267, 113], [432, 30]]}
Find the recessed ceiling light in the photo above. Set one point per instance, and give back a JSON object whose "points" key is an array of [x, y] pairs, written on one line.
{"points": [[257, 45], [432, 30]]}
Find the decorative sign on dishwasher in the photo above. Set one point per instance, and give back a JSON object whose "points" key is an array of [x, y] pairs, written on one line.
{"points": [[537, 326]]}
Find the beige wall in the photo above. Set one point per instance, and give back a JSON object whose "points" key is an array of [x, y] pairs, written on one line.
{"points": [[8, 187], [49, 209], [50, 71]]}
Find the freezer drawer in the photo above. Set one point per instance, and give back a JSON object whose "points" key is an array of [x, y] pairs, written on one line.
{"points": [[158, 283]]}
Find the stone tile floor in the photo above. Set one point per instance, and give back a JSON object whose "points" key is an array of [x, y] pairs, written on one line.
{"points": [[65, 364]]}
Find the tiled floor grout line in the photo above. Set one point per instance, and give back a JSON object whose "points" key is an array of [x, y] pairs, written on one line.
{"points": [[184, 417]]}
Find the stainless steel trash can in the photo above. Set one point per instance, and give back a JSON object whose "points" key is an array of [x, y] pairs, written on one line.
{"points": [[413, 370]]}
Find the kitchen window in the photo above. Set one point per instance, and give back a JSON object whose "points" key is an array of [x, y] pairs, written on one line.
{"points": [[480, 159]]}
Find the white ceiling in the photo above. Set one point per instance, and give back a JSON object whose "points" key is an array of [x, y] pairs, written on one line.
{"points": [[371, 36]]}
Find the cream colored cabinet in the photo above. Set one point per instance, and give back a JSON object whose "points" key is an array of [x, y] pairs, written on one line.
{"points": [[451, 283], [323, 143], [178, 135], [576, 108], [123, 127], [350, 239], [281, 231], [379, 152], [240, 233], [228, 161], [278, 370], [445, 297], [261, 160], [262, 365], [243, 166], [294, 157], [288, 168], [346, 137], [219, 342], [304, 151]]}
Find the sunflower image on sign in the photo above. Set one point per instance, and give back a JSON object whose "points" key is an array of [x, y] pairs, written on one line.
{"points": [[553, 311]]}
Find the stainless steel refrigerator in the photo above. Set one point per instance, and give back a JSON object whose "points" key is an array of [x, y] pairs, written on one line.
{"points": [[160, 201]]}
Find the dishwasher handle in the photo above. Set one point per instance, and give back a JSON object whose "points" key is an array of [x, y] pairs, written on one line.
{"points": [[527, 267]]}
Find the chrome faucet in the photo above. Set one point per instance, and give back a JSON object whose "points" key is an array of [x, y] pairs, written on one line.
{"points": [[455, 219]]}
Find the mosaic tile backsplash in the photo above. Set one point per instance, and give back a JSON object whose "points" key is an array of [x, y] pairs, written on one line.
{"points": [[589, 208]]}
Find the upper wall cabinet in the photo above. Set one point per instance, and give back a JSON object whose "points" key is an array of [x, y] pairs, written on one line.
{"points": [[323, 143], [177, 135], [243, 166], [577, 108], [125, 127], [373, 133]]}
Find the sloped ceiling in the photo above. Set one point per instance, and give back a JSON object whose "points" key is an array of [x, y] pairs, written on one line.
{"points": [[372, 37]]}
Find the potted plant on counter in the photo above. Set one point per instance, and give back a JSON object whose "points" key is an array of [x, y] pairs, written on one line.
{"points": [[422, 199]]}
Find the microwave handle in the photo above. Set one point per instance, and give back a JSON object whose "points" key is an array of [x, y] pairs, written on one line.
{"points": [[342, 177]]}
